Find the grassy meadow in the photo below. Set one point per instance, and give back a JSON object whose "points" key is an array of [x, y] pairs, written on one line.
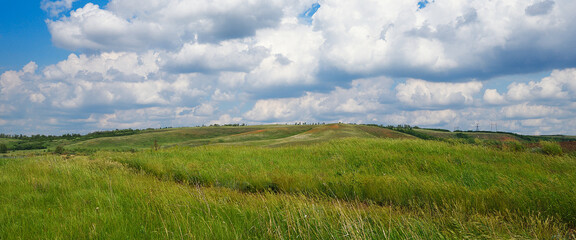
{"points": [[288, 182]]}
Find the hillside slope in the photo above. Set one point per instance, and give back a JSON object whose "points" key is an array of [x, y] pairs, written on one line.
{"points": [[271, 136], [260, 135]]}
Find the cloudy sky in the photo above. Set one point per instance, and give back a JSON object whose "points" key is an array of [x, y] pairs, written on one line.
{"points": [[80, 65]]}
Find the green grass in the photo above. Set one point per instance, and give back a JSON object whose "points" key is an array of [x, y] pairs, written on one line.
{"points": [[334, 181], [384, 132], [267, 135], [406, 173], [191, 137], [53, 197]]}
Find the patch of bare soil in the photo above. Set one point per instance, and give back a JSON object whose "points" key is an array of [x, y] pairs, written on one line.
{"points": [[568, 146]]}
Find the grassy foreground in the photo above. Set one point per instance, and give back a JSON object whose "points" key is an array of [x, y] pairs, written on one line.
{"points": [[343, 189]]}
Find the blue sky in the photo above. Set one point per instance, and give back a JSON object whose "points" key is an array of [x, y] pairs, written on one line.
{"points": [[80, 66], [23, 34]]}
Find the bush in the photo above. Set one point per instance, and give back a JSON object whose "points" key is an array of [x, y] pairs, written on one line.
{"points": [[3, 148], [59, 150], [514, 146], [550, 148]]}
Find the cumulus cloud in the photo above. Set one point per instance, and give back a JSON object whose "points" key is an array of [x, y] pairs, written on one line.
{"points": [[363, 96], [150, 63], [133, 25], [101, 83], [293, 55], [93, 28], [226, 56], [446, 39], [559, 85], [55, 8], [16, 94], [106, 66], [531, 111], [420, 93], [491, 96], [13, 82], [426, 117]]}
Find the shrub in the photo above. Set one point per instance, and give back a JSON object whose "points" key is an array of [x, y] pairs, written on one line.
{"points": [[59, 150], [514, 146], [550, 148], [3, 148]]}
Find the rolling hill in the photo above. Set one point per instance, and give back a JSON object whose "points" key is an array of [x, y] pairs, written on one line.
{"points": [[268, 135], [334, 181]]}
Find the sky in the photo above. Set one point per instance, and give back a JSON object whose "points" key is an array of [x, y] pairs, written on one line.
{"points": [[77, 66]]}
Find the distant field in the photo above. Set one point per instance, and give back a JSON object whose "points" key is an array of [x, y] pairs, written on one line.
{"points": [[335, 181], [478, 135], [265, 135]]}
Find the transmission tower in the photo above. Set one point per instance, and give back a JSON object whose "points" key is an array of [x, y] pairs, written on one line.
{"points": [[494, 126]]}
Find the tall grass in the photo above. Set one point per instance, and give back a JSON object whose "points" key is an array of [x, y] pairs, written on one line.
{"points": [[52, 197], [406, 173]]}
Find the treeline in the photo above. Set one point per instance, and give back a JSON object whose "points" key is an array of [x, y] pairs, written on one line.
{"points": [[39, 137], [405, 128], [74, 136], [227, 125], [113, 133], [43, 141]]}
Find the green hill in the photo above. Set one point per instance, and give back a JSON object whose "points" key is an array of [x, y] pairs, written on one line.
{"points": [[260, 135], [334, 181], [266, 135]]}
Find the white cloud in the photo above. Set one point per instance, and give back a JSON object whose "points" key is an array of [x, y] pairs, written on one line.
{"points": [[233, 55], [363, 97], [226, 119], [155, 117], [420, 93], [11, 82], [37, 98], [445, 39], [560, 85], [531, 111], [142, 63], [107, 65], [54, 8], [109, 80], [220, 95], [16, 92], [132, 25], [491, 96], [427, 117], [204, 109], [293, 59]]}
